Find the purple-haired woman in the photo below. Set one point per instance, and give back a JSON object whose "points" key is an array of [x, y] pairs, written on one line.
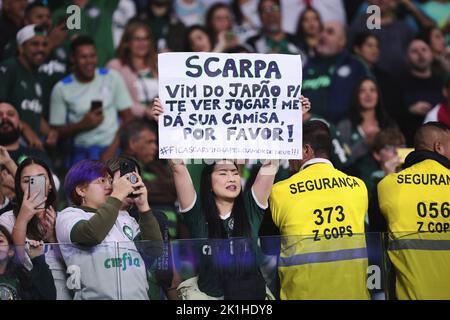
{"points": [[101, 236]]}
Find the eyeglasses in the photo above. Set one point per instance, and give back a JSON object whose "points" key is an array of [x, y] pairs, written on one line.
{"points": [[270, 9], [140, 38], [103, 180]]}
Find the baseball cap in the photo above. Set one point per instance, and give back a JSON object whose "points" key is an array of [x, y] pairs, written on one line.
{"points": [[28, 32]]}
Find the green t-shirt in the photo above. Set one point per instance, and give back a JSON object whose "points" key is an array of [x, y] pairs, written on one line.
{"points": [[96, 21], [24, 90], [316, 83], [209, 281], [71, 100]]}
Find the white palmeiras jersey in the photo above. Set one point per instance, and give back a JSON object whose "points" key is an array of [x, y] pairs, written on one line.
{"points": [[112, 270]]}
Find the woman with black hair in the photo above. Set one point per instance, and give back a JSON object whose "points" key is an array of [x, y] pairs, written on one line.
{"points": [[228, 269], [308, 30], [16, 282], [366, 118], [229, 219], [33, 218]]}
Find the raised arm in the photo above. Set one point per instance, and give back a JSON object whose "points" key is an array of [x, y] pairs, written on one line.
{"points": [[264, 181], [183, 181]]}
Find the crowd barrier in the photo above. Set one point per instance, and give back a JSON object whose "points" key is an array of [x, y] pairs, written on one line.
{"points": [[334, 265]]}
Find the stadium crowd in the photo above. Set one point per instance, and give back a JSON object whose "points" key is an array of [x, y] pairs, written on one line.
{"points": [[83, 192]]}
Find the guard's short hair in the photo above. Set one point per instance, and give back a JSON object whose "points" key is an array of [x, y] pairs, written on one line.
{"points": [[317, 134], [427, 133]]}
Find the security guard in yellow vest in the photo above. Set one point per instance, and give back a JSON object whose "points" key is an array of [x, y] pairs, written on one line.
{"points": [[320, 214], [416, 205]]}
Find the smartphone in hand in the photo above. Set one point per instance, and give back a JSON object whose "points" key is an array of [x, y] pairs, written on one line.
{"points": [[37, 184], [127, 166], [96, 105]]}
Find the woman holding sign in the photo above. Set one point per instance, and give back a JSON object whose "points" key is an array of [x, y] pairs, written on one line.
{"points": [[230, 220]]}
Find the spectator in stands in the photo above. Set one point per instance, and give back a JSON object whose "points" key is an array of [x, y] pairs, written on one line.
{"points": [[10, 136], [366, 118], [17, 282], [136, 62], [394, 35], [209, 215], [99, 21], [247, 19], [199, 40], [190, 12], [8, 170], [11, 20], [384, 151], [329, 10], [39, 14], [331, 76], [28, 220], [272, 39], [441, 112], [420, 89], [366, 47], [86, 104], [139, 140], [219, 23], [161, 274], [167, 29], [308, 30], [23, 85], [95, 221], [434, 37]]}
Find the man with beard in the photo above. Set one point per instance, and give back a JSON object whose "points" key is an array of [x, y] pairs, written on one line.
{"points": [[272, 39], [10, 136], [22, 84], [54, 67], [420, 89], [330, 77]]}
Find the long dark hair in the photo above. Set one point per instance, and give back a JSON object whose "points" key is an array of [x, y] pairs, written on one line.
{"points": [[123, 52], [380, 113], [230, 257], [33, 231], [300, 32], [241, 226], [209, 19], [190, 30]]}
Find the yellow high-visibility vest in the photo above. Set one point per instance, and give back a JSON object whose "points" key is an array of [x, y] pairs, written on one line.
{"points": [[416, 205], [320, 213]]}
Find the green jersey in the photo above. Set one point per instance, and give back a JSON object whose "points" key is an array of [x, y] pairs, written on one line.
{"points": [[96, 21], [208, 281], [25, 90]]}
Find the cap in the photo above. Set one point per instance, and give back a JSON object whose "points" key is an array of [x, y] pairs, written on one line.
{"points": [[28, 32]]}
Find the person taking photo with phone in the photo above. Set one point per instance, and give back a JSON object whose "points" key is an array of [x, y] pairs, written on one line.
{"points": [[97, 231], [33, 217]]}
